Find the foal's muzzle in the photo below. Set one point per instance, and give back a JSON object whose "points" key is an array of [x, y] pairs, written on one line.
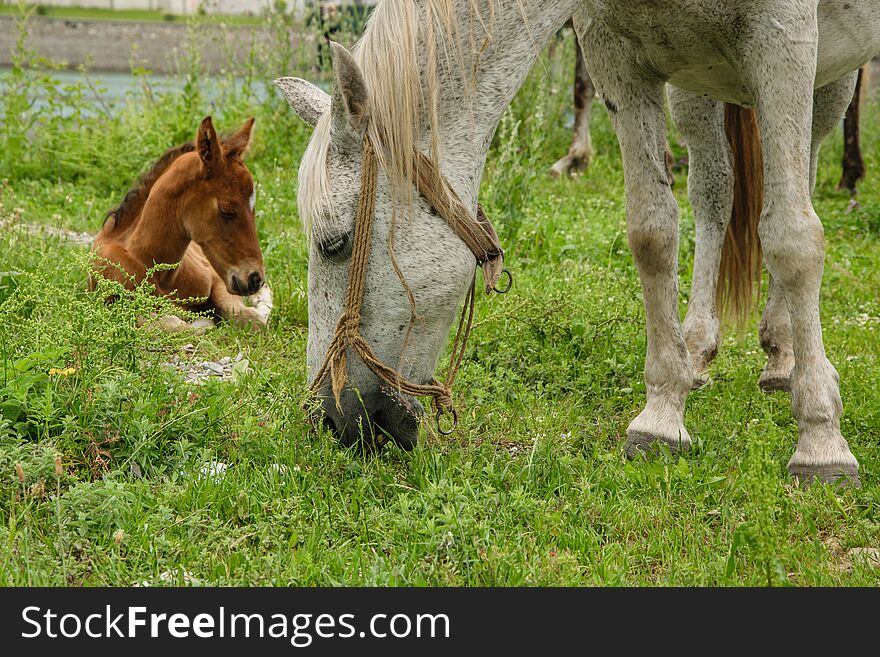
{"points": [[371, 420], [245, 284]]}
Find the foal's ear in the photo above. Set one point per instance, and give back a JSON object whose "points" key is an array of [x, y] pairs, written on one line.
{"points": [[308, 101], [238, 144], [208, 145], [350, 104]]}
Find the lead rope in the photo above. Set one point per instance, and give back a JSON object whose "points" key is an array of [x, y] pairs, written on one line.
{"points": [[348, 327]]}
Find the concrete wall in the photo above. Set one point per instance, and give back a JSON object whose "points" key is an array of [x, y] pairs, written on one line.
{"points": [[108, 45], [181, 7]]}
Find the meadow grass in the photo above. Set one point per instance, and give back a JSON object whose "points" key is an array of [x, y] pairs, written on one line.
{"points": [[532, 489]]}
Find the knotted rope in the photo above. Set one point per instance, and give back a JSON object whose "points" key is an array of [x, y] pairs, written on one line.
{"points": [[479, 235]]}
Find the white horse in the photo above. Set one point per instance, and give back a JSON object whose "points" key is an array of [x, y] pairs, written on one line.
{"points": [[439, 74]]}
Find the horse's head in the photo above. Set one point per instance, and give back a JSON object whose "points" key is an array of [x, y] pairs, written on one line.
{"points": [[219, 209], [417, 273]]}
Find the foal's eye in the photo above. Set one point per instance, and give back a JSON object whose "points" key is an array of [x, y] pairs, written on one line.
{"points": [[229, 215]]}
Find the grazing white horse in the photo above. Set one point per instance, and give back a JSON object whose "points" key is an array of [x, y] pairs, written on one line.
{"points": [[439, 74]]}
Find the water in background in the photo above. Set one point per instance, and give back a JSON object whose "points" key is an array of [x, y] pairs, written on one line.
{"points": [[109, 89]]}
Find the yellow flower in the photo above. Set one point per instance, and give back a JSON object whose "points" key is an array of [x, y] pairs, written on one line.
{"points": [[67, 371]]}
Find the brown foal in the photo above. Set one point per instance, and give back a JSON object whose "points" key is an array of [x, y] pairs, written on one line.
{"points": [[195, 207]]}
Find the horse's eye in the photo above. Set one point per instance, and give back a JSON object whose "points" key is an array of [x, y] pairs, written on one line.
{"points": [[229, 215], [335, 248]]}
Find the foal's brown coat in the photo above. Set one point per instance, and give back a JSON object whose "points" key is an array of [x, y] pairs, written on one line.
{"points": [[195, 207]]}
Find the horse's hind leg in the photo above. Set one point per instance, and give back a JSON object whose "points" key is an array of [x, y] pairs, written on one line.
{"points": [[710, 190], [780, 66], [829, 104]]}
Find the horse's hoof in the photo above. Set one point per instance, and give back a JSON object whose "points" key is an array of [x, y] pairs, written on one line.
{"points": [[844, 475], [701, 381], [774, 383], [639, 443]]}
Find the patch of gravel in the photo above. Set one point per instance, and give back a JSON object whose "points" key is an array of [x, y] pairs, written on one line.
{"points": [[197, 371], [42, 230]]}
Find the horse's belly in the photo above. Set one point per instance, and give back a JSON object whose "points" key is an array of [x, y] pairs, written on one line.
{"points": [[849, 36], [718, 81], [692, 44]]}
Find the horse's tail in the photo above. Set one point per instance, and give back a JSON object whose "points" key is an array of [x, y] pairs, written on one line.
{"points": [[739, 280]]}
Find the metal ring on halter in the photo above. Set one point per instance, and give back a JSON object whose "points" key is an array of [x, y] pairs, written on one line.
{"points": [[440, 429], [509, 283]]}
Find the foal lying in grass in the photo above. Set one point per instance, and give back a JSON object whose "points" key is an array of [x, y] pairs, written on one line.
{"points": [[195, 207]]}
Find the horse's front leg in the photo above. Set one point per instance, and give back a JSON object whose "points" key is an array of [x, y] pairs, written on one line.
{"points": [[652, 231], [710, 190], [780, 65], [636, 108]]}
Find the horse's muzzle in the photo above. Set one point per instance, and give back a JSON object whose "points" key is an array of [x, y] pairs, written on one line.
{"points": [[371, 420]]}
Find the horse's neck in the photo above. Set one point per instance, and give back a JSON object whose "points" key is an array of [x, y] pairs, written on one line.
{"points": [[521, 30], [159, 236]]}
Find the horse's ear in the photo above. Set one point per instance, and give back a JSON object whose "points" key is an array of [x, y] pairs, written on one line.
{"points": [[308, 101], [350, 103], [208, 145], [239, 143]]}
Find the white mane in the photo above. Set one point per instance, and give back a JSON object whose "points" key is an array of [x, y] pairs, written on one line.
{"points": [[406, 47]]}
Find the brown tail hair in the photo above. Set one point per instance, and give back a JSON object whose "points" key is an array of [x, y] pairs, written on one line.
{"points": [[739, 280]]}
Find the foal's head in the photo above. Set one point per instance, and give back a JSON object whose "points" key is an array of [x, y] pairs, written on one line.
{"points": [[218, 210]]}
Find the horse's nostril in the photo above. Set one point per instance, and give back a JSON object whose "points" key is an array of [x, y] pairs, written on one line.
{"points": [[254, 281], [236, 284]]}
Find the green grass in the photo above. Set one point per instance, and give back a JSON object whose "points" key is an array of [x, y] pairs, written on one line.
{"points": [[99, 13], [532, 489]]}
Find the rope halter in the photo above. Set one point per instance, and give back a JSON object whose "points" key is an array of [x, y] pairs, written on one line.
{"points": [[479, 235]]}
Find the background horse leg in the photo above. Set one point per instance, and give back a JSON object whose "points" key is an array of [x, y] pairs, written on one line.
{"points": [[781, 68], [710, 190], [829, 104], [853, 164], [581, 151]]}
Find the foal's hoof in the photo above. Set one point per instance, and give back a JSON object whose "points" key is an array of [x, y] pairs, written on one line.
{"points": [[844, 475], [250, 318], [639, 443]]}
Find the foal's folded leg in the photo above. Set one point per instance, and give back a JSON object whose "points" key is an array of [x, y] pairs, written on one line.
{"points": [[263, 302], [232, 307]]}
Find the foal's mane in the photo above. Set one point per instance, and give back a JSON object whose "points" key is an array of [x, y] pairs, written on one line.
{"points": [[405, 48], [133, 202]]}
